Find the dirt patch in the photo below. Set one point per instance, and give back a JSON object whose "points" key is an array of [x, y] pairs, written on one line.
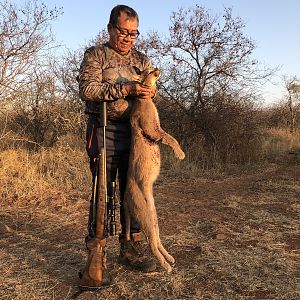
{"points": [[235, 237]]}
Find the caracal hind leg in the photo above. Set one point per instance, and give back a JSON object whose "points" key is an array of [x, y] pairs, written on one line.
{"points": [[152, 230], [165, 253], [127, 219], [154, 248], [133, 194], [161, 248]]}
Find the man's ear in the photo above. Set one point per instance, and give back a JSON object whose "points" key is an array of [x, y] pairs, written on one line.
{"points": [[109, 27]]}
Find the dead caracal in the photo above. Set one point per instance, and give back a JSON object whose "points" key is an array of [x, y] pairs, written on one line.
{"points": [[144, 168]]}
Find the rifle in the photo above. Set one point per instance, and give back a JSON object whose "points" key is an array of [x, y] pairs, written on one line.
{"points": [[92, 275]]}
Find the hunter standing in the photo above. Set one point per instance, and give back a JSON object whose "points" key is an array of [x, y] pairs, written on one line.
{"points": [[103, 77]]}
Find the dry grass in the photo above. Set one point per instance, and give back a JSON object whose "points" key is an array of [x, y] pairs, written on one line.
{"points": [[277, 142], [233, 237], [36, 176]]}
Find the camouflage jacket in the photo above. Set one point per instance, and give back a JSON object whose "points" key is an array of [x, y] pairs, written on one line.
{"points": [[102, 73]]}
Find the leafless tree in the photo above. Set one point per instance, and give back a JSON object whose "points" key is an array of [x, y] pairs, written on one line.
{"points": [[49, 107], [293, 88], [209, 78], [24, 33], [66, 70], [25, 38]]}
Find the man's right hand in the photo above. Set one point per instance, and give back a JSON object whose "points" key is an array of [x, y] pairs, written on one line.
{"points": [[139, 90]]}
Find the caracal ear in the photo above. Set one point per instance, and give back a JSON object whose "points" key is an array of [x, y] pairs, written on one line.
{"points": [[143, 74], [137, 70], [156, 72]]}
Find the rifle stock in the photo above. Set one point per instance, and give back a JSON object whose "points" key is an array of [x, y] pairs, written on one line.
{"points": [[101, 203]]}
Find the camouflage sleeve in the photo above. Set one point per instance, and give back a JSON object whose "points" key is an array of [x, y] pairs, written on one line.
{"points": [[91, 85]]}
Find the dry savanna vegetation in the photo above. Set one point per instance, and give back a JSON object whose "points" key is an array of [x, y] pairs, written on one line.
{"points": [[234, 235], [229, 213]]}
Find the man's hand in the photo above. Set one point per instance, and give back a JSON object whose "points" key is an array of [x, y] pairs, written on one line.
{"points": [[139, 90]]}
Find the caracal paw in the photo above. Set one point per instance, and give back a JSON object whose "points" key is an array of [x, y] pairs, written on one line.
{"points": [[180, 154]]}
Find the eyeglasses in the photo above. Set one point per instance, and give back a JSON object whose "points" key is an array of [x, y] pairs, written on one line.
{"points": [[124, 33]]}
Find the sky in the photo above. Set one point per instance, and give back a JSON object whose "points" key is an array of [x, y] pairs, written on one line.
{"points": [[272, 24]]}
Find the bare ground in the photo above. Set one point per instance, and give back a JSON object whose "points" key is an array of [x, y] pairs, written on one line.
{"points": [[233, 237]]}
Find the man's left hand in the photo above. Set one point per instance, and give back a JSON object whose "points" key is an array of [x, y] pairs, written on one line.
{"points": [[149, 92]]}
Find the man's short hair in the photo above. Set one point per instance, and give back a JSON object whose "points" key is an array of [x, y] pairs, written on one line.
{"points": [[116, 11]]}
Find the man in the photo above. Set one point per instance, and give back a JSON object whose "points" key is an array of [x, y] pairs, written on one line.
{"points": [[105, 75]]}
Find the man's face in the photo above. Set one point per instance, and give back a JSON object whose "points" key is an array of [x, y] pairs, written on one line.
{"points": [[123, 35]]}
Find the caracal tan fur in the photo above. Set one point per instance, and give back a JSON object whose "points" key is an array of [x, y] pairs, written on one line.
{"points": [[144, 168]]}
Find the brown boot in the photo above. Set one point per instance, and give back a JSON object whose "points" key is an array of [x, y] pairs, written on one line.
{"points": [[132, 254], [94, 275]]}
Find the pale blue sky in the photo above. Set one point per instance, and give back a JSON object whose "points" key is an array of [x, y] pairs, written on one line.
{"points": [[272, 24]]}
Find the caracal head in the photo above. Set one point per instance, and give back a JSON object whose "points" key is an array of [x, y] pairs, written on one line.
{"points": [[149, 76]]}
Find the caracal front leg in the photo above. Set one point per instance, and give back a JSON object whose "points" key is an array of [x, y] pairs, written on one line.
{"points": [[151, 128], [167, 139]]}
